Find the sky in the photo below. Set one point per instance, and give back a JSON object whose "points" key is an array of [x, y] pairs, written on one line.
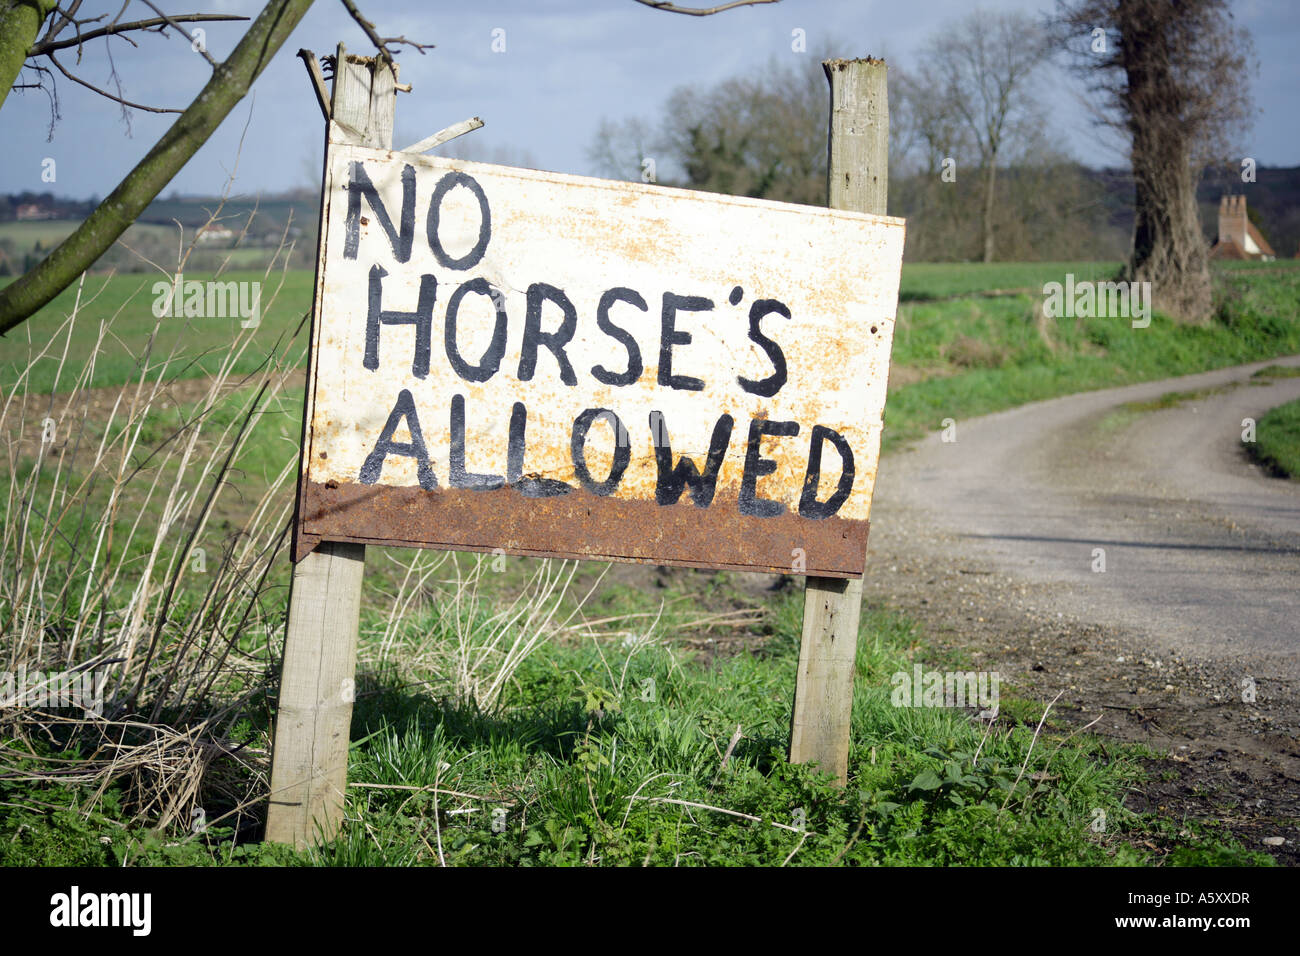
{"points": [[542, 74]]}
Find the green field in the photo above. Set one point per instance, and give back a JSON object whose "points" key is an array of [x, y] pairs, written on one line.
{"points": [[135, 339], [610, 742], [28, 236], [962, 357], [923, 281]]}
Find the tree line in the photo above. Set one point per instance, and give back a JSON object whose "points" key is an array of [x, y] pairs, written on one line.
{"points": [[975, 164]]}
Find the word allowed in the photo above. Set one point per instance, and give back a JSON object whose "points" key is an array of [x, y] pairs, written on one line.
{"points": [[675, 476]]}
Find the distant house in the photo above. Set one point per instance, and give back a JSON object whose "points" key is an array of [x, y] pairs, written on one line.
{"points": [[1238, 237], [29, 210], [215, 233]]}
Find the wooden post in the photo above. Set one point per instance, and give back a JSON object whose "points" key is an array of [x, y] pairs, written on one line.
{"points": [[857, 177], [309, 765]]}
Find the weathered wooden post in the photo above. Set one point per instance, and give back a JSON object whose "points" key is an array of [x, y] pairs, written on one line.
{"points": [[857, 178], [309, 766]]}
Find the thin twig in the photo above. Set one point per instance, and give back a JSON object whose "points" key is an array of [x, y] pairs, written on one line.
{"points": [[171, 22], [862, 821], [796, 849], [975, 760], [1030, 751], [441, 790], [437, 825], [697, 11], [381, 43], [705, 806], [735, 739]]}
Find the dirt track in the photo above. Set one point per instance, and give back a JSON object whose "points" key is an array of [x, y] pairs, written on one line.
{"points": [[992, 541]]}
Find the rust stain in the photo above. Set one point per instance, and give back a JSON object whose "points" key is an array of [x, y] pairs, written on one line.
{"points": [[585, 526]]}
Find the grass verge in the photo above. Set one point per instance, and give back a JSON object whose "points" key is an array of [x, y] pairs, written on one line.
{"points": [[968, 357], [1278, 440], [629, 750]]}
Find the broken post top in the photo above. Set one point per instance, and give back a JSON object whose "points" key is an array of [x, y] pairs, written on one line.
{"points": [[365, 96], [842, 64]]}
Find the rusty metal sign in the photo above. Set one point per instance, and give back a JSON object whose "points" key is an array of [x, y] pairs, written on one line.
{"points": [[554, 365]]}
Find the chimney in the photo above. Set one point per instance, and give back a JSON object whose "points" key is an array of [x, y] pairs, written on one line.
{"points": [[1232, 220]]}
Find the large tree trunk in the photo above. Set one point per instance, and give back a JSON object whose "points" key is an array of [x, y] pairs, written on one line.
{"points": [[1169, 249], [20, 21], [229, 83]]}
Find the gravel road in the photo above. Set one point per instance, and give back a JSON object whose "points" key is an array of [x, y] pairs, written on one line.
{"points": [[1155, 522], [1188, 641]]}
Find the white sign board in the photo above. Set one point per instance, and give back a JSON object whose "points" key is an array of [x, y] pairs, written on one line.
{"points": [[549, 364]]}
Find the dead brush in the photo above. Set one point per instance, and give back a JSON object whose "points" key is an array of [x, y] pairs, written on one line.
{"points": [[116, 560], [471, 633]]}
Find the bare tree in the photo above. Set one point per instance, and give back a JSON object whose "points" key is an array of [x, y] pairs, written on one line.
{"points": [[974, 80], [762, 136], [625, 149], [1172, 76]]}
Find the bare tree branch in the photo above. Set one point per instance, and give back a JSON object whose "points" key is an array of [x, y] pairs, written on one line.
{"points": [[57, 25], [47, 46], [51, 92], [227, 86], [381, 43], [116, 99], [698, 11]]}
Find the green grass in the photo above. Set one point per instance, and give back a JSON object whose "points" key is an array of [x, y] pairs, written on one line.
{"points": [[1128, 411], [1173, 399], [42, 235], [26, 235], [1278, 440], [592, 741], [1278, 371], [977, 356], [943, 280], [137, 338]]}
